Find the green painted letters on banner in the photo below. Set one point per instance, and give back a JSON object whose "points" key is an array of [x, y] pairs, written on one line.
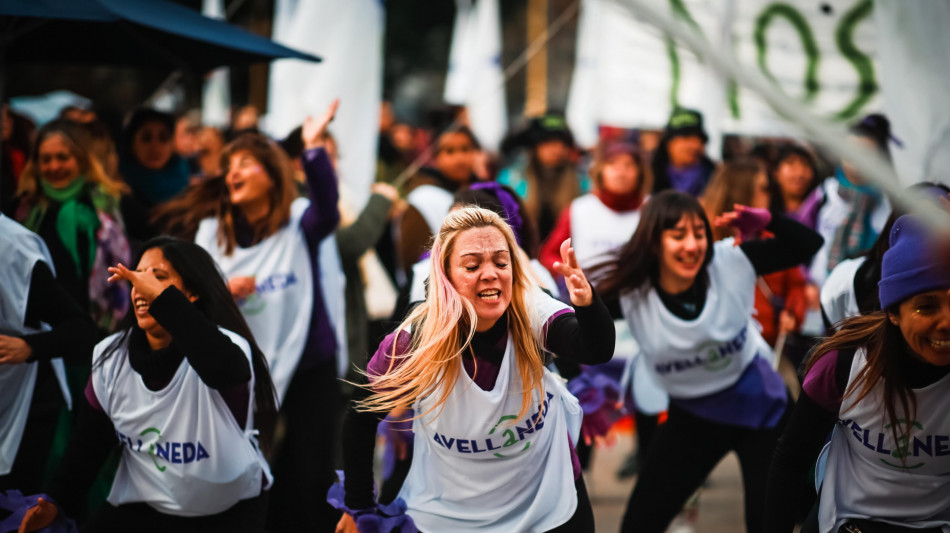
{"points": [[804, 33], [844, 38]]}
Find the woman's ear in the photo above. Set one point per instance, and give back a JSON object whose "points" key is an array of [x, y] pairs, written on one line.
{"points": [[191, 297], [893, 318]]}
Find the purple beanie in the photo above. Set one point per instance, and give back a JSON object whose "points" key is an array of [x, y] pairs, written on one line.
{"points": [[911, 265]]}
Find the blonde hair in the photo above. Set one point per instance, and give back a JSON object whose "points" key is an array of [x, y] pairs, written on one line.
{"points": [[78, 140], [444, 324]]}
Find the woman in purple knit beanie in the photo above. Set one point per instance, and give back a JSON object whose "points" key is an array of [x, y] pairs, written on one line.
{"points": [[885, 469]]}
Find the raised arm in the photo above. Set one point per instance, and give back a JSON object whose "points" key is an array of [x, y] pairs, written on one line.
{"points": [[793, 244], [323, 216]]}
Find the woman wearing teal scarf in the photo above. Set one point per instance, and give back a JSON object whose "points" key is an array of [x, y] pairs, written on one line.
{"points": [[67, 199], [149, 163]]}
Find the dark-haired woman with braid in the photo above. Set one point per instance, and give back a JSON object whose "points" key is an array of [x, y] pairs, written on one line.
{"points": [[688, 302], [881, 383]]}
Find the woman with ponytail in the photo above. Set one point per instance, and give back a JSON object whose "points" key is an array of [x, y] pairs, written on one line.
{"points": [[178, 389], [494, 430]]}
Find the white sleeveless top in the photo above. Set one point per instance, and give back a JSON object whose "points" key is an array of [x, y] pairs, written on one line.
{"points": [[433, 203], [20, 250], [279, 310], [183, 452], [864, 475], [837, 294], [597, 230], [477, 468], [695, 358]]}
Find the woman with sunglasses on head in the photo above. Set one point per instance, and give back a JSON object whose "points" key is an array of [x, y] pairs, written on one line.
{"points": [[688, 302]]}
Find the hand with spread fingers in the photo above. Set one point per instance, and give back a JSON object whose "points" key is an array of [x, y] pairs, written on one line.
{"points": [[314, 129], [578, 288], [146, 284]]}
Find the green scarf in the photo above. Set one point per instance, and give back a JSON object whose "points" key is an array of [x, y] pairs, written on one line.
{"points": [[74, 218]]}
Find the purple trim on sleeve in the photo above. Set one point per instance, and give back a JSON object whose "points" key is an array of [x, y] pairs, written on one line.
{"points": [[379, 363], [551, 320], [820, 384], [92, 398]]}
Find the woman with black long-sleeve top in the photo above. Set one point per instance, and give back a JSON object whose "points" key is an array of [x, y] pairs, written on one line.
{"points": [[32, 381], [490, 452], [178, 388], [689, 304]]}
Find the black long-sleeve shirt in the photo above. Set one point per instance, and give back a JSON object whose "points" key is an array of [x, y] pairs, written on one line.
{"points": [[73, 333]]}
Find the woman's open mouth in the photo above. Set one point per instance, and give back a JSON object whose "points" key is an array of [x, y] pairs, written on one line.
{"points": [[489, 295]]}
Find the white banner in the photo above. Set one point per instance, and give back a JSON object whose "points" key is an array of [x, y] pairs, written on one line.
{"points": [[348, 36], [475, 77], [915, 74], [216, 96], [629, 74]]}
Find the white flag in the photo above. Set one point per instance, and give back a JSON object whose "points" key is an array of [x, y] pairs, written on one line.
{"points": [[475, 78], [216, 96], [348, 36], [915, 74]]}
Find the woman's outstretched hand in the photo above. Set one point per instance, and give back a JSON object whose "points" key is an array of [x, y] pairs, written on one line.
{"points": [[578, 288], [749, 221], [145, 283], [314, 129]]}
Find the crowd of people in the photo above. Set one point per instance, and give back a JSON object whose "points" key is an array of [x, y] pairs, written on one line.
{"points": [[200, 331]]}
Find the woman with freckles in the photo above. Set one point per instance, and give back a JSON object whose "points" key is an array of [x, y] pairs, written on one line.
{"points": [[688, 302], [494, 429]]}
